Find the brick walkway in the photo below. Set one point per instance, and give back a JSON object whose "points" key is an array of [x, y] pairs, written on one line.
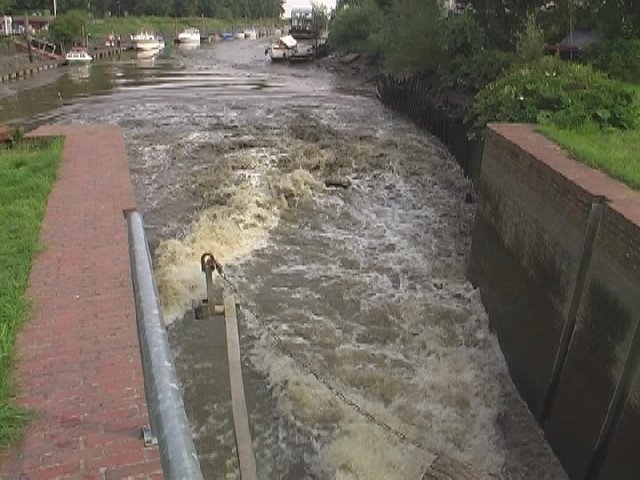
{"points": [[78, 362]]}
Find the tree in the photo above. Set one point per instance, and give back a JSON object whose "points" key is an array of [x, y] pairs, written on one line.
{"points": [[6, 6], [218, 8], [530, 41], [501, 19], [358, 27], [413, 35], [68, 28], [319, 21]]}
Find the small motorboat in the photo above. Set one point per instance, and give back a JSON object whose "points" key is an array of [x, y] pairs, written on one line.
{"points": [[146, 41], [77, 55], [283, 49], [189, 35]]}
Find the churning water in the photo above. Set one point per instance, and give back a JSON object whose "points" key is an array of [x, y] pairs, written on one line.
{"points": [[365, 349]]}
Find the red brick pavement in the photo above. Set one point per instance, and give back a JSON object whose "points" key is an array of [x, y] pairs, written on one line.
{"points": [[78, 362]]}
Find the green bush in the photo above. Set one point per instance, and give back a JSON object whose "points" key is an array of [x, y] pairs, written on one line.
{"points": [[68, 29], [357, 28], [472, 74], [618, 57], [556, 92], [412, 37], [462, 35]]}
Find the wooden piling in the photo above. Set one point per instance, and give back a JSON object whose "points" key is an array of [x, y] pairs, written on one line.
{"points": [[244, 445]]}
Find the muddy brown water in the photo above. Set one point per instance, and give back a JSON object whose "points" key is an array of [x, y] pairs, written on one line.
{"points": [[363, 287]]}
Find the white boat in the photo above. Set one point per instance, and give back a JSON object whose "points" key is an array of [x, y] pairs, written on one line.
{"points": [[189, 35], [77, 55], [146, 41], [283, 49], [147, 54]]}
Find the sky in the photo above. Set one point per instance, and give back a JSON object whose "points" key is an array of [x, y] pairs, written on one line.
{"points": [[289, 4]]}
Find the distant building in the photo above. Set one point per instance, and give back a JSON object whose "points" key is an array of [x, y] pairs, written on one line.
{"points": [[572, 45], [37, 23]]}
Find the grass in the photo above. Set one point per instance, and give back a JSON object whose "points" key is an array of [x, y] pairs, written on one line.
{"points": [[27, 173], [615, 152], [168, 26]]}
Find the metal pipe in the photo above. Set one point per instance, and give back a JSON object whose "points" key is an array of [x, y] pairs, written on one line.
{"points": [[164, 400]]}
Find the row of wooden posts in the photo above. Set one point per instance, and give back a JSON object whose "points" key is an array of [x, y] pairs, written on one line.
{"points": [[413, 96]]}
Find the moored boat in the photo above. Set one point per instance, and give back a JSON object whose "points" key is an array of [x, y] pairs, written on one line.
{"points": [[77, 55], [283, 49], [189, 35], [146, 41]]}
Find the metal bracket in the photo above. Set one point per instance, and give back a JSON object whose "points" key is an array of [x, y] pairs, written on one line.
{"points": [[207, 308], [150, 440]]}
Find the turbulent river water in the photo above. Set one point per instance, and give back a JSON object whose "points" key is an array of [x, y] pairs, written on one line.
{"points": [[365, 349]]}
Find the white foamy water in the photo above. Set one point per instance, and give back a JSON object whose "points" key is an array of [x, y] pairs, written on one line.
{"points": [[366, 289]]}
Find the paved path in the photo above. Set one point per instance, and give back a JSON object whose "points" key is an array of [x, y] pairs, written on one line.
{"points": [[78, 361]]}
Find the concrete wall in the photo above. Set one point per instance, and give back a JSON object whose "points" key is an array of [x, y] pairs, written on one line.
{"points": [[556, 255]]}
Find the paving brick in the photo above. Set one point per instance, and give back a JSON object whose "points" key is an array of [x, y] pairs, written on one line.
{"points": [[78, 361]]}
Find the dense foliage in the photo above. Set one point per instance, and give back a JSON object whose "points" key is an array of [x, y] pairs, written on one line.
{"points": [[180, 8], [406, 32], [557, 92], [412, 33], [358, 28], [68, 29], [470, 74], [530, 41], [618, 56]]}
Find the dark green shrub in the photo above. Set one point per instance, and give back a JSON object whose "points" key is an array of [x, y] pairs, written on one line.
{"points": [[68, 29], [462, 35], [472, 74], [557, 92], [412, 37]]}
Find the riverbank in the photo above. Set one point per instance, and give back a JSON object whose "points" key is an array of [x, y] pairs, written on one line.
{"points": [[11, 62], [27, 173], [77, 357]]}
